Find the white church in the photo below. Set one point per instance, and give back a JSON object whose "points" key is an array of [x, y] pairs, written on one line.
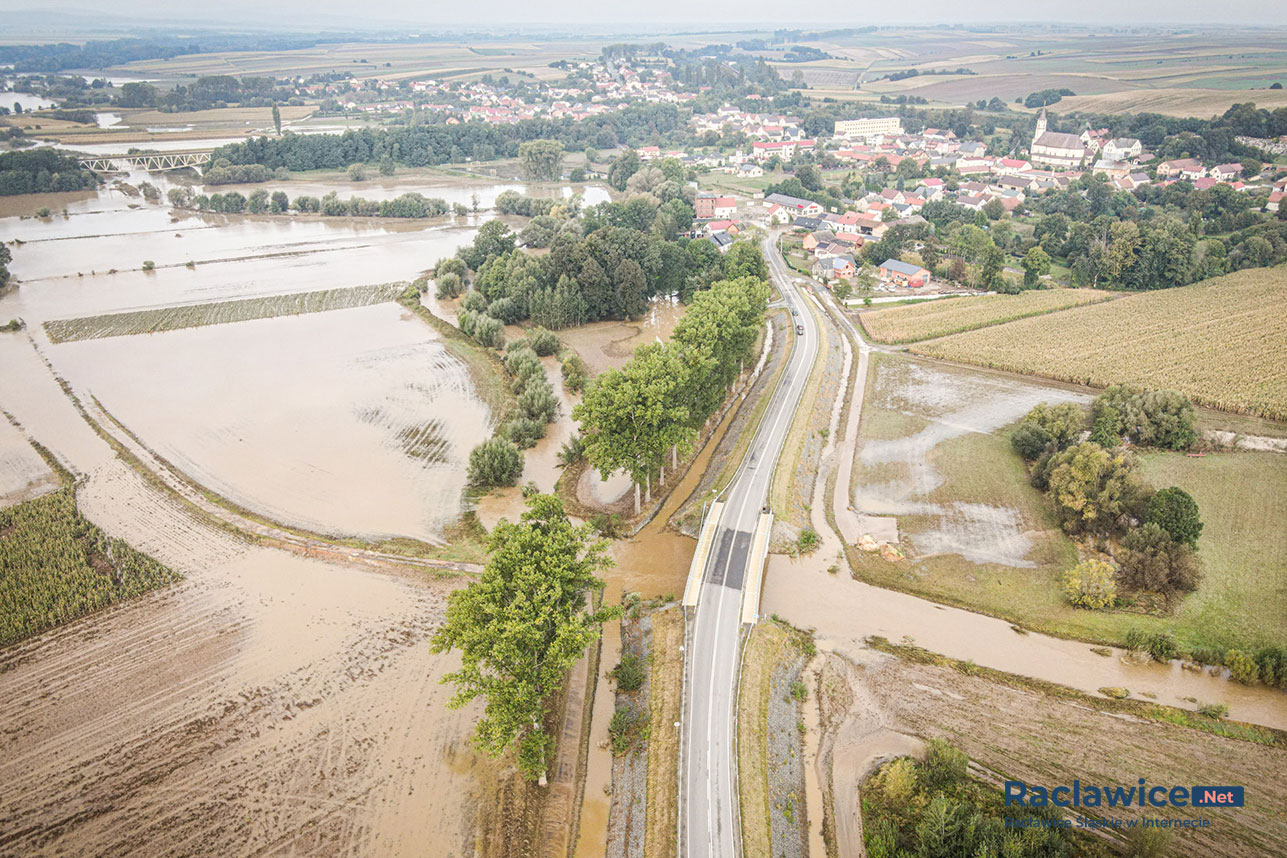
{"points": [[1055, 149]]}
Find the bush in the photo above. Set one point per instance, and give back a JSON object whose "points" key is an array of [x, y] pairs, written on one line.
{"points": [[1029, 440], [575, 373], [448, 285], [1151, 560], [1154, 418], [1272, 664], [495, 462], [474, 301], [808, 541], [626, 730], [521, 363], [1090, 585], [1062, 423], [507, 310], [1213, 710], [523, 431], [629, 673], [1176, 512], [1162, 646], [489, 332], [1242, 667], [573, 451], [944, 766], [357, 172], [148, 265], [538, 402], [543, 342]]}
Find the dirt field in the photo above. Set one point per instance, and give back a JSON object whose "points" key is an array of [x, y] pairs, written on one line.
{"points": [[271, 702], [1030, 736]]}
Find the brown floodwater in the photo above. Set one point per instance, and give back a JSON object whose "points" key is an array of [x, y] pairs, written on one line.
{"points": [[352, 422]]}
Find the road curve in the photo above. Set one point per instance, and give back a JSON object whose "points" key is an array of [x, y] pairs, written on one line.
{"points": [[708, 823]]}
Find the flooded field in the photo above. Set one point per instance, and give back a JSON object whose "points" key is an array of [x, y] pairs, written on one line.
{"points": [[921, 423], [23, 474], [347, 422]]}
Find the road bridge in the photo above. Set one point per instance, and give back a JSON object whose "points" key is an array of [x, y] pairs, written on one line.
{"points": [[726, 598]]}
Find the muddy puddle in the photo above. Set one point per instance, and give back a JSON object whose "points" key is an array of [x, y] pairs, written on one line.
{"points": [[608, 345], [23, 474]]}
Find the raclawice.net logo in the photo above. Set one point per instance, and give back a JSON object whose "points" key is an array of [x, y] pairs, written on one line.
{"points": [[1098, 799], [1142, 795]]}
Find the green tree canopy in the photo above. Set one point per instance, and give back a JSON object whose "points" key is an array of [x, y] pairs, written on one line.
{"points": [[522, 625]]}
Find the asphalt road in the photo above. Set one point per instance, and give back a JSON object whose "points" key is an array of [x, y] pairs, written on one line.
{"points": [[708, 802]]}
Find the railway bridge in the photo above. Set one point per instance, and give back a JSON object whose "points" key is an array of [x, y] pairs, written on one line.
{"points": [[150, 161]]}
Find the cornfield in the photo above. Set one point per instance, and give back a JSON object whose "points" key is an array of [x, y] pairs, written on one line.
{"points": [[198, 315], [1221, 342], [913, 322], [55, 566]]}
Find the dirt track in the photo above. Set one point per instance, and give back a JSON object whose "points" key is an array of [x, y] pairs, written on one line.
{"points": [[270, 704]]}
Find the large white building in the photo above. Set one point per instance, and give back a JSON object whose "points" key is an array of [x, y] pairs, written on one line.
{"points": [[869, 126], [1055, 149]]}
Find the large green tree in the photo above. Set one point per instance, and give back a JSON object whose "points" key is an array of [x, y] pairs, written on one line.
{"points": [[522, 625], [542, 160]]}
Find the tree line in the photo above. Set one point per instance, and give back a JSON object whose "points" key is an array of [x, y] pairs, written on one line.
{"points": [[656, 404], [40, 171]]}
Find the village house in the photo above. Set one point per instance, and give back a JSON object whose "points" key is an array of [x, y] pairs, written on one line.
{"points": [[1122, 149], [795, 205], [1225, 172], [899, 273], [835, 268], [722, 241], [708, 206], [1185, 168], [813, 239], [750, 170], [777, 214], [728, 226]]}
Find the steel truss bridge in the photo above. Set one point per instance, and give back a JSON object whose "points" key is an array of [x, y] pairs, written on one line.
{"points": [[155, 161]]}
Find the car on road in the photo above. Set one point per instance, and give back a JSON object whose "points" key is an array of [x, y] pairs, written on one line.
{"points": [[799, 329], [794, 311]]}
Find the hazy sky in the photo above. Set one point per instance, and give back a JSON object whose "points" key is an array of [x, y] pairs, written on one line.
{"points": [[743, 14]]}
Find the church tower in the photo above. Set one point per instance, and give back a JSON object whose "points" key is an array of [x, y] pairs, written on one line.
{"points": [[1041, 126]]}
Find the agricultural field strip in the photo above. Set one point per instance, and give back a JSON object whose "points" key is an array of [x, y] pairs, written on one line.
{"points": [[1219, 342], [954, 315], [218, 313]]}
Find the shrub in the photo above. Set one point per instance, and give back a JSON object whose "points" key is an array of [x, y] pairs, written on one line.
{"points": [[495, 462], [1213, 710], [523, 431], [944, 766], [626, 730], [1156, 418], [1090, 585], [357, 172], [448, 285], [507, 310], [572, 451], [1148, 842], [521, 363], [808, 541], [574, 373], [474, 301], [1272, 663], [798, 692], [1242, 666], [543, 342], [1061, 423], [1162, 646], [1029, 440], [1176, 512], [538, 402], [148, 265], [1151, 560], [629, 673], [489, 332]]}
